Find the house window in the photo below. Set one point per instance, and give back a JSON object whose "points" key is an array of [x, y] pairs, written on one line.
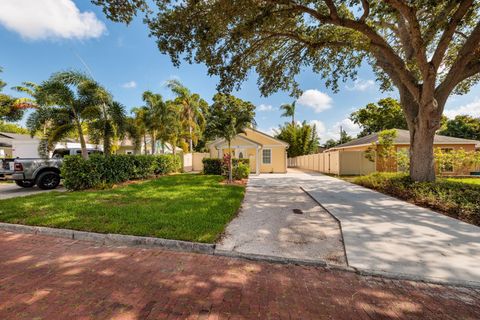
{"points": [[266, 156], [240, 155]]}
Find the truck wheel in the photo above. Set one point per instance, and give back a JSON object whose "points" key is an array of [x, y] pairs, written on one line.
{"points": [[25, 183], [48, 180]]}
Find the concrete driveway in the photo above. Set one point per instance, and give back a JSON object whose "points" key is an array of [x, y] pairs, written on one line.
{"points": [[11, 190], [386, 235], [284, 222]]}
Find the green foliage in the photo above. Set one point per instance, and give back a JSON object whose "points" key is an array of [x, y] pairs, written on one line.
{"points": [[426, 49], [9, 109], [68, 101], [303, 139], [462, 126], [229, 116], [289, 111], [384, 151], [448, 160], [214, 166], [12, 128], [193, 111], [456, 199], [386, 114], [100, 171], [241, 171]]}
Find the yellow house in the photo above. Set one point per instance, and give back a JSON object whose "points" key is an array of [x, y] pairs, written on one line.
{"points": [[266, 153], [402, 144]]}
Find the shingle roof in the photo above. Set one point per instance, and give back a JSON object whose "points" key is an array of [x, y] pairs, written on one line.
{"points": [[403, 137]]}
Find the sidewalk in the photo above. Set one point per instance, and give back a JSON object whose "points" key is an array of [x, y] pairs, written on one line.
{"points": [[43, 277]]}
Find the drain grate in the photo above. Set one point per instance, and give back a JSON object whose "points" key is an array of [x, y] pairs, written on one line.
{"points": [[297, 211]]}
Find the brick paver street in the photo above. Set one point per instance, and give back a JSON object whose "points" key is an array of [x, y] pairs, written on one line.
{"points": [[51, 278]]}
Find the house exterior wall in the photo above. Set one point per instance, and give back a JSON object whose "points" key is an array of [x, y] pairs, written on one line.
{"points": [[249, 148], [125, 150]]}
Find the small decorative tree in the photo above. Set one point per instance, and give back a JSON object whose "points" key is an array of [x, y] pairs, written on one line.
{"points": [[384, 151], [228, 117]]}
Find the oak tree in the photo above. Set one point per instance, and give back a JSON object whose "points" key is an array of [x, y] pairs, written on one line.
{"points": [[427, 49]]}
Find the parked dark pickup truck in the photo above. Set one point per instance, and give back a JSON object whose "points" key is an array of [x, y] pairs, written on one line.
{"points": [[42, 172]]}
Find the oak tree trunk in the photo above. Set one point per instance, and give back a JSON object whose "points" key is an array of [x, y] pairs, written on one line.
{"points": [[422, 162], [423, 121]]}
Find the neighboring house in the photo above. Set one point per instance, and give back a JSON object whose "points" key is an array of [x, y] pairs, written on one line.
{"points": [[402, 143], [266, 153], [13, 145], [126, 146]]}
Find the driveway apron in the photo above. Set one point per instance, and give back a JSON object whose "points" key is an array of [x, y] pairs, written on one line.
{"points": [[284, 222]]}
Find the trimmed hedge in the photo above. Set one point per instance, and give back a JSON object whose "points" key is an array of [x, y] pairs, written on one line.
{"points": [[214, 166], [455, 199], [100, 171]]}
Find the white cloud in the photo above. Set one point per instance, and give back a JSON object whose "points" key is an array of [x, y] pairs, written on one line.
{"points": [[49, 19], [270, 131], [316, 100], [471, 109], [361, 85], [265, 107], [321, 129], [333, 132], [129, 85]]}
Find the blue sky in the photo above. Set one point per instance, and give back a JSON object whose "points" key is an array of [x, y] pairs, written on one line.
{"points": [[44, 36]]}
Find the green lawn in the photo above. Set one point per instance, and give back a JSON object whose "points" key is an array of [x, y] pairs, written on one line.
{"points": [[465, 180], [185, 207]]}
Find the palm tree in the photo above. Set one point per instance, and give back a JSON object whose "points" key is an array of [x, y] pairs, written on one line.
{"points": [[106, 123], [174, 131], [288, 111], [73, 97], [156, 112], [192, 110], [139, 126], [10, 109]]}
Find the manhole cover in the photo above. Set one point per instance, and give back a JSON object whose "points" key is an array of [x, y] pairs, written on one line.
{"points": [[297, 211]]}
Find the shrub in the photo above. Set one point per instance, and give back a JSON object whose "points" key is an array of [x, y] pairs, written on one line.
{"points": [[240, 167], [212, 166], [100, 171], [458, 200], [241, 171]]}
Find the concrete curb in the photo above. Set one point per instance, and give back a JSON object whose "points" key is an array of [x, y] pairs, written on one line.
{"points": [[112, 239], [196, 247], [272, 259], [393, 275]]}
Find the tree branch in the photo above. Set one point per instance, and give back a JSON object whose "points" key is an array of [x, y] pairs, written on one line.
{"points": [[468, 53], [414, 29], [449, 32], [366, 10], [377, 41]]}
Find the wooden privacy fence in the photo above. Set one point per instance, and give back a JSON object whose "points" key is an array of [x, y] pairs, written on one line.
{"points": [[335, 162]]}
